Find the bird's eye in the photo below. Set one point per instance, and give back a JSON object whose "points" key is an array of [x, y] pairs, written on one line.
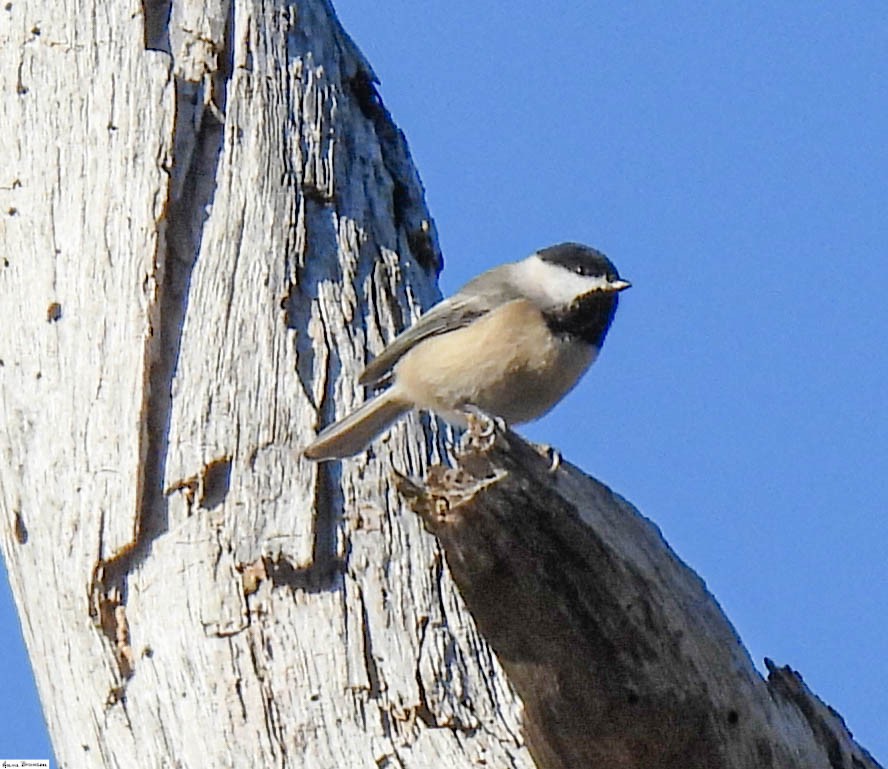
{"points": [[578, 270]]}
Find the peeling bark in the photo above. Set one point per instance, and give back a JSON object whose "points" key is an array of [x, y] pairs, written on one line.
{"points": [[209, 219], [620, 655]]}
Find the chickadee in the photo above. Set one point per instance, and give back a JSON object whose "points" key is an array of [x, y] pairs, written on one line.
{"points": [[511, 343]]}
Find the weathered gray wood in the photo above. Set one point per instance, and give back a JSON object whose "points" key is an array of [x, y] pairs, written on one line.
{"points": [[207, 219], [620, 655]]}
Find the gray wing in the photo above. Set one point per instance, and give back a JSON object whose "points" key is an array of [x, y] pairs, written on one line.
{"points": [[475, 299]]}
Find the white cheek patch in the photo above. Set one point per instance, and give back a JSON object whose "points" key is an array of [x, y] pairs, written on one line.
{"points": [[553, 286]]}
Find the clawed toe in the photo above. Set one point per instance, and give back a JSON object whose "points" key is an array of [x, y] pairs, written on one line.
{"points": [[552, 454], [482, 427], [482, 424]]}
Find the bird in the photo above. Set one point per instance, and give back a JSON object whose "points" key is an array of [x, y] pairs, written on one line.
{"points": [[509, 345]]}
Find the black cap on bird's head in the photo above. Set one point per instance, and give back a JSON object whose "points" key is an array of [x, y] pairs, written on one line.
{"points": [[585, 261]]}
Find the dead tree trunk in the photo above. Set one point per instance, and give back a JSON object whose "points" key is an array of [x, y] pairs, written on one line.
{"points": [[208, 220]]}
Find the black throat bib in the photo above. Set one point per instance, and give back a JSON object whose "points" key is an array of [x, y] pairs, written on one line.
{"points": [[588, 317]]}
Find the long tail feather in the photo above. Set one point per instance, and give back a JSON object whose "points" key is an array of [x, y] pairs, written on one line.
{"points": [[354, 432]]}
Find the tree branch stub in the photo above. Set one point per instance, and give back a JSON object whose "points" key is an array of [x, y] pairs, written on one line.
{"points": [[618, 652]]}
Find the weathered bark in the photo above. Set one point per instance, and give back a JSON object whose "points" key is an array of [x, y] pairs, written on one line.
{"points": [[620, 655], [208, 220]]}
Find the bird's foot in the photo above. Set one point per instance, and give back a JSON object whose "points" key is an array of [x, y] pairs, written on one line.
{"points": [[482, 427], [550, 453]]}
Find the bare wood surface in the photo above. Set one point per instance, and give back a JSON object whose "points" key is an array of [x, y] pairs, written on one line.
{"points": [[620, 655], [207, 220]]}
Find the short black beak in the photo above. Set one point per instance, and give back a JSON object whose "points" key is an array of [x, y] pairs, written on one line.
{"points": [[620, 285]]}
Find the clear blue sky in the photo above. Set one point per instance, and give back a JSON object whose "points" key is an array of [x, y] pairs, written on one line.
{"points": [[732, 159]]}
